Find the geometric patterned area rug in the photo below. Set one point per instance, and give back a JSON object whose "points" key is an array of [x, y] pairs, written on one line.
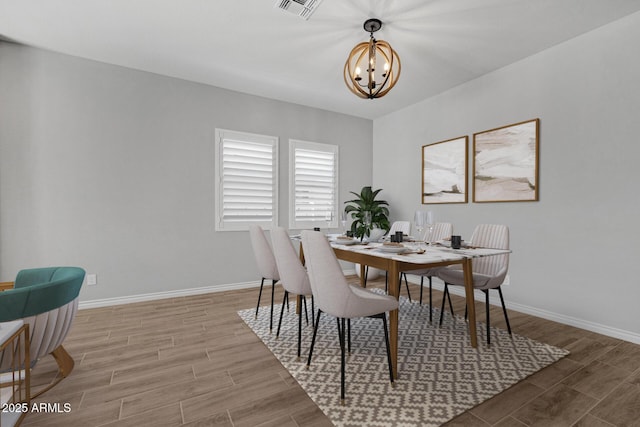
{"points": [[440, 374]]}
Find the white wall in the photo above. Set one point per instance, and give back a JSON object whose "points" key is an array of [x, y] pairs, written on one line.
{"points": [[575, 251], [112, 170]]}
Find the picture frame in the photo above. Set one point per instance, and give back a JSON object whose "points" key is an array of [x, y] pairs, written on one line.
{"points": [[505, 163], [444, 171]]}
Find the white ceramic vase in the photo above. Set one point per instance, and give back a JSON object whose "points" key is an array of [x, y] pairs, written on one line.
{"points": [[375, 234]]}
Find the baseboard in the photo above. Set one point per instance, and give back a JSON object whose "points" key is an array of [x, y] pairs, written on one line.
{"points": [[437, 284], [578, 323], [544, 314], [107, 302]]}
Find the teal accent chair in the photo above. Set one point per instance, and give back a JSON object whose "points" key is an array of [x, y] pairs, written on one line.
{"points": [[47, 300]]}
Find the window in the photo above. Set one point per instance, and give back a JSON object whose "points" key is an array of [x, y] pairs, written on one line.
{"points": [[313, 184], [246, 180]]}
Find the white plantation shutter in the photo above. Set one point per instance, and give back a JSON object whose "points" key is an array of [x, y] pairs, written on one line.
{"points": [[313, 184], [246, 180]]}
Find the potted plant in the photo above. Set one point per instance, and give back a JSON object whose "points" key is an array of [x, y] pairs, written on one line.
{"points": [[366, 202]]}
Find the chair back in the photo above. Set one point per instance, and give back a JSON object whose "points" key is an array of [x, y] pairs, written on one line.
{"points": [[495, 237], [46, 299], [441, 230], [404, 226], [331, 292], [265, 260], [293, 275]]}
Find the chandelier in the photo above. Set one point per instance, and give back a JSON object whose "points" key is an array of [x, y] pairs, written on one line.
{"points": [[360, 71]]}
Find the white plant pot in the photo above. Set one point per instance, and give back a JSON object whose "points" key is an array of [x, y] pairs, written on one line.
{"points": [[373, 273], [375, 234]]}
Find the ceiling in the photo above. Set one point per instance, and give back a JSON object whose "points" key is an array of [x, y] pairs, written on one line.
{"points": [[253, 47]]}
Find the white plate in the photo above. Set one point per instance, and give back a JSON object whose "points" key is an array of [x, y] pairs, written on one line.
{"points": [[393, 249], [346, 242]]}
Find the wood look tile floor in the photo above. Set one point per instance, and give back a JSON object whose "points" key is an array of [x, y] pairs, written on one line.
{"points": [[191, 361]]}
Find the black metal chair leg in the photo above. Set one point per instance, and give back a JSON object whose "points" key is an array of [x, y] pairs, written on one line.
{"points": [[287, 299], [406, 282], [366, 273], [486, 307], [444, 297], [273, 290], [300, 331], [430, 301], [259, 296], [312, 312], [306, 313], [341, 331], [386, 341], [504, 310], [313, 340], [349, 334], [281, 313], [430, 296], [450, 304]]}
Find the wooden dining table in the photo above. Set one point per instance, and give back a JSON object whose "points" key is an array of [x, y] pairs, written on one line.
{"points": [[371, 254]]}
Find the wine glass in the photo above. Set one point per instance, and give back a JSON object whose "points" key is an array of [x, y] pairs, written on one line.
{"points": [[366, 218], [429, 223], [329, 218], [419, 221], [366, 221], [343, 221]]}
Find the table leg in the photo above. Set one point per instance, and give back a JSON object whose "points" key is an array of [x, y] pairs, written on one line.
{"points": [[363, 275], [394, 290], [470, 301]]}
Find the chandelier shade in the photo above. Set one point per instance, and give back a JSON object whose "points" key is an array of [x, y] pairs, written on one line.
{"points": [[362, 75]]}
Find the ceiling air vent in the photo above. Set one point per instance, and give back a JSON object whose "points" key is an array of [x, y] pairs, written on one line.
{"points": [[302, 8]]}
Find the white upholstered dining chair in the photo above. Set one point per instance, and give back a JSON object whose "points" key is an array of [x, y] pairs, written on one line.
{"points": [[293, 275], [266, 264], [334, 296], [488, 272]]}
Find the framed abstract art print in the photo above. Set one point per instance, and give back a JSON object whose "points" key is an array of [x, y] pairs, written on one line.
{"points": [[505, 163], [444, 171]]}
